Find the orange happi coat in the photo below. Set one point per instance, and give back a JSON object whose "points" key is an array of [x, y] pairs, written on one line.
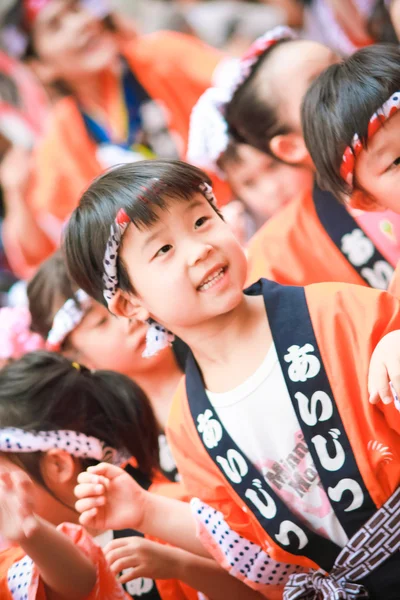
{"points": [[348, 321]]}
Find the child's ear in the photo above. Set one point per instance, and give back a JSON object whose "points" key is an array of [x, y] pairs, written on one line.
{"points": [[363, 201], [57, 467], [129, 306], [290, 148]]}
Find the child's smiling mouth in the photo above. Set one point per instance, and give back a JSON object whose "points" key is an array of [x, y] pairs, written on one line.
{"points": [[212, 278]]}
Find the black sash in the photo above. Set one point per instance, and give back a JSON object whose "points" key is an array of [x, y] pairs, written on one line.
{"points": [[323, 430], [351, 241]]}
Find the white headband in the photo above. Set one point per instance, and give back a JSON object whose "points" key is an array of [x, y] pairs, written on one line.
{"points": [[75, 443], [67, 319], [208, 133]]}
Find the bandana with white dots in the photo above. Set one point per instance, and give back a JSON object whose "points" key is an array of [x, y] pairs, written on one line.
{"points": [[117, 230], [75, 443]]}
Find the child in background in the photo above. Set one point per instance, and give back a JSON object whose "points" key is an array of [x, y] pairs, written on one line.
{"points": [[44, 445], [313, 238], [121, 102], [271, 429], [86, 332], [264, 184], [354, 106]]}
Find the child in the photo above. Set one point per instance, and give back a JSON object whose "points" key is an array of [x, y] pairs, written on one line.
{"points": [[112, 420], [348, 105], [43, 446], [274, 435], [121, 101], [262, 107]]}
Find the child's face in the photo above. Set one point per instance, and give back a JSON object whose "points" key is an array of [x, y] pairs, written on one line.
{"points": [[187, 268], [265, 184], [71, 42], [377, 169], [60, 472], [105, 341]]}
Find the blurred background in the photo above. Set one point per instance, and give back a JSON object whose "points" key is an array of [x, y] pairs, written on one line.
{"points": [[67, 109]]}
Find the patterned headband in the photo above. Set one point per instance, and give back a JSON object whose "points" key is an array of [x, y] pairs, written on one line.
{"points": [[75, 443], [117, 230], [208, 134], [67, 319], [387, 110]]}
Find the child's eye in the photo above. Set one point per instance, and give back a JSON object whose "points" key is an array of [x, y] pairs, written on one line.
{"points": [[164, 250], [397, 161], [201, 221]]}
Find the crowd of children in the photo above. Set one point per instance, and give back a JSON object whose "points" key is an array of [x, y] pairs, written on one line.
{"points": [[200, 360]]}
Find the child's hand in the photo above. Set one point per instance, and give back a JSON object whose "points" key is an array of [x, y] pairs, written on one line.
{"points": [[142, 557], [109, 498], [17, 521], [384, 370]]}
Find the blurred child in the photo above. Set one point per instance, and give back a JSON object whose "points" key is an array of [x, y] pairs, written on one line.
{"points": [[271, 429], [44, 445], [85, 331], [314, 238], [23, 111], [122, 101]]}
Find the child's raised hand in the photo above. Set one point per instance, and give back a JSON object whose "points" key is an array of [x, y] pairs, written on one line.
{"points": [[384, 370], [17, 520], [142, 557], [109, 498]]}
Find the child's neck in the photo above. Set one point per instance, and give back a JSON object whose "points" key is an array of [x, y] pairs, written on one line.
{"points": [[90, 91], [230, 347], [160, 386]]}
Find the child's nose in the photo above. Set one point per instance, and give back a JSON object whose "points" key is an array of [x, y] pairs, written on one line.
{"points": [[199, 252]]}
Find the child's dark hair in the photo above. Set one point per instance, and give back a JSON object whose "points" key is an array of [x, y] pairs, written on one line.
{"points": [[47, 291], [341, 102], [251, 114], [42, 391], [138, 188]]}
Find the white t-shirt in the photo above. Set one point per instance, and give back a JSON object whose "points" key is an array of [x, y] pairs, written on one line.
{"points": [[259, 416]]}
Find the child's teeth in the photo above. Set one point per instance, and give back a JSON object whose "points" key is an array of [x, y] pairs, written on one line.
{"points": [[210, 282]]}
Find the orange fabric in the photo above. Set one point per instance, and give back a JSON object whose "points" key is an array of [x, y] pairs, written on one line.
{"points": [[106, 584], [175, 69], [348, 322], [293, 248]]}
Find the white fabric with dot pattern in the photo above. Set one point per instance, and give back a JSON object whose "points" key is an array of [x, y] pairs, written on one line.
{"points": [[75, 443], [19, 578], [245, 558]]}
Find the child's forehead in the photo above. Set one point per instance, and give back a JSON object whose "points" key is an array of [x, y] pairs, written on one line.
{"points": [[173, 208]]}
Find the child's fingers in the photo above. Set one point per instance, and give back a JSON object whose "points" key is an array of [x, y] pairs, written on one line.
{"points": [[127, 562], [86, 504], [88, 517], [116, 554], [378, 383], [85, 490], [92, 478], [5, 480], [118, 543], [107, 470], [131, 574]]}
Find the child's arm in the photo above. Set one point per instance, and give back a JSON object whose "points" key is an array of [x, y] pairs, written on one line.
{"points": [[146, 558], [52, 552], [109, 498]]}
